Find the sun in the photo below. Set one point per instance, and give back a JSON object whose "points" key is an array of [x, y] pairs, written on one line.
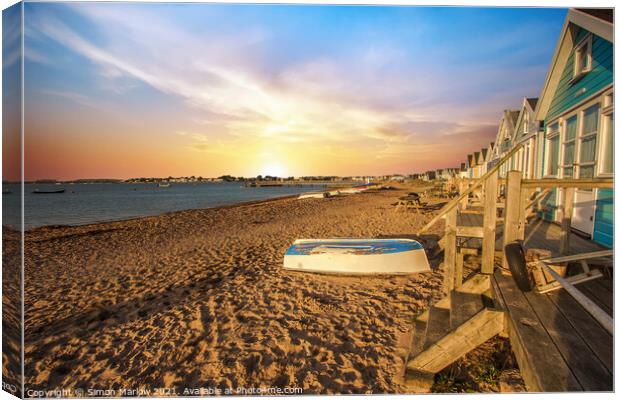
{"points": [[274, 169]]}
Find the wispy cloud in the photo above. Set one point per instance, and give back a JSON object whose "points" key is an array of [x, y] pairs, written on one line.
{"points": [[373, 95]]}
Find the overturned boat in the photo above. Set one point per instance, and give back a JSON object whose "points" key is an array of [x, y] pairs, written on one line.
{"points": [[357, 256], [314, 195]]}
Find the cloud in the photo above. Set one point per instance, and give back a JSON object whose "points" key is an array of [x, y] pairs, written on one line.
{"points": [[69, 95], [373, 95]]}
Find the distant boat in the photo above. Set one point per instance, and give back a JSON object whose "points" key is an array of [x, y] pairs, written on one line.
{"points": [[52, 191], [163, 184], [357, 256]]}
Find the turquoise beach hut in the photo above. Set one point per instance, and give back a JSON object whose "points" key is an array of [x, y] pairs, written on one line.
{"points": [[576, 110]]}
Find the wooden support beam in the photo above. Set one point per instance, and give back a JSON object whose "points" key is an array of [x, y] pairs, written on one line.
{"points": [[538, 198], [573, 280], [523, 201], [598, 183], [462, 187], [567, 215], [511, 213], [577, 257], [450, 251], [593, 309], [490, 222], [458, 271], [477, 330]]}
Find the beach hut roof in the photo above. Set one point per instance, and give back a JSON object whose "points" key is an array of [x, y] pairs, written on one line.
{"points": [[605, 14], [597, 21], [470, 160], [532, 102]]}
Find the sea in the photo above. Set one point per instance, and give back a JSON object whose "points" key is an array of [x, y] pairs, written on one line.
{"points": [[86, 203]]}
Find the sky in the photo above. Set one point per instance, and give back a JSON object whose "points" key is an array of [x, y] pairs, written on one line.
{"points": [[120, 90]]}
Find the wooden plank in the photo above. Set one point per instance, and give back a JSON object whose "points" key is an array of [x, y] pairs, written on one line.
{"points": [[438, 325], [538, 198], [477, 330], [598, 339], [582, 256], [418, 337], [476, 284], [585, 365], [470, 219], [458, 270], [542, 366], [489, 225], [573, 279], [470, 231], [598, 294], [462, 187], [450, 252], [463, 307], [477, 183], [607, 183], [511, 213], [567, 215], [525, 194]]}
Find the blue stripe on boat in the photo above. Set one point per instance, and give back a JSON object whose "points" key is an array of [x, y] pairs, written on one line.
{"points": [[357, 247]]}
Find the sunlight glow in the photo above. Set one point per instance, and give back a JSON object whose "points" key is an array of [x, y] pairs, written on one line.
{"points": [[274, 170]]}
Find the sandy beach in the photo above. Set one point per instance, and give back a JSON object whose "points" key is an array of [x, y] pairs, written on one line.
{"points": [[199, 299]]}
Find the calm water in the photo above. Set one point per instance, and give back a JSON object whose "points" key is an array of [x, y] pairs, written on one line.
{"points": [[88, 203]]}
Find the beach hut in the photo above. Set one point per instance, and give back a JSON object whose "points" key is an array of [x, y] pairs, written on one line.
{"points": [[463, 171], [503, 140], [529, 134], [488, 159], [470, 166], [576, 109]]}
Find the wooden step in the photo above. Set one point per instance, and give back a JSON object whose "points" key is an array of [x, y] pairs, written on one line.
{"points": [[438, 325], [458, 342], [419, 381], [419, 336], [463, 306]]}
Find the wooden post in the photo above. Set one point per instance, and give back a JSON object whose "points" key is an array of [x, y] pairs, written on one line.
{"points": [[490, 221], [511, 211], [449, 261], [523, 202], [458, 271], [567, 215], [462, 188]]}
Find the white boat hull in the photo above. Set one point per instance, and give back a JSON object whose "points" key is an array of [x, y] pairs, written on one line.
{"points": [[357, 256], [314, 195]]}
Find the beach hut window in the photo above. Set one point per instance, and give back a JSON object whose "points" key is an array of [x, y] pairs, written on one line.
{"points": [[552, 158], [583, 57], [587, 147], [569, 147], [607, 144], [526, 122]]}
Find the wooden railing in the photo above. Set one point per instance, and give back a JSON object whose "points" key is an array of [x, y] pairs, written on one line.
{"points": [[453, 260], [519, 190], [463, 196], [522, 199]]}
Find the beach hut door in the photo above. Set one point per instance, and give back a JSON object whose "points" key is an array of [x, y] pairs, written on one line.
{"points": [[583, 211]]}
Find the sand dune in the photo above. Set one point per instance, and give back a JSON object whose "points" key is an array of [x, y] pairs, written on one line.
{"points": [[199, 299]]}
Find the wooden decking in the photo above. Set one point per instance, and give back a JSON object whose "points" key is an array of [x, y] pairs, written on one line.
{"points": [[538, 234], [559, 346]]}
